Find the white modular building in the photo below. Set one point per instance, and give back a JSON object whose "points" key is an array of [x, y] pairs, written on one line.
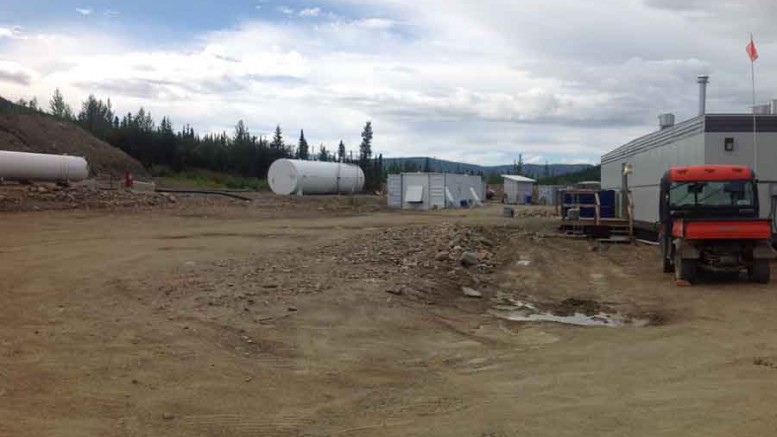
{"points": [[424, 191], [726, 139], [518, 190]]}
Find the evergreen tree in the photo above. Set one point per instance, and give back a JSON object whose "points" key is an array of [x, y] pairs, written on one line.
{"points": [[323, 155], [546, 170], [519, 165], [341, 151], [96, 117], [365, 148], [59, 108], [277, 139], [303, 151]]}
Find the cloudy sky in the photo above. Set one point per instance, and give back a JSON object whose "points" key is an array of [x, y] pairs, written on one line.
{"points": [[478, 81]]}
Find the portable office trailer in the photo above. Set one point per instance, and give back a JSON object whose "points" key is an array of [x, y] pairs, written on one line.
{"points": [[424, 191], [518, 190], [706, 139]]}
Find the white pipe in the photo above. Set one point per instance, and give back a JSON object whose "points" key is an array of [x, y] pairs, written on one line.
{"points": [[42, 167]]}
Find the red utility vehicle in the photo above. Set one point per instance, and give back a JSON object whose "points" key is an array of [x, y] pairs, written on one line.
{"points": [[710, 220]]}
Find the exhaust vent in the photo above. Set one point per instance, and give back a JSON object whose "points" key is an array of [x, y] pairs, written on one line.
{"points": [[703, 81], [665, 121]]}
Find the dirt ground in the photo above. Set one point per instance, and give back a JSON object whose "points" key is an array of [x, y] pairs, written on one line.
{"points": [[309, 318]]}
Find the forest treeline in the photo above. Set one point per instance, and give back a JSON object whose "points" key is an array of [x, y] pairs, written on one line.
{"points": [[159, 145]]}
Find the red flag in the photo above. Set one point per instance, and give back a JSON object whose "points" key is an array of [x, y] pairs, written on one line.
{"points": [[751, 50]]}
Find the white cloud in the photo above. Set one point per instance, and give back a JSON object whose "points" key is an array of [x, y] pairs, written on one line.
{"points": [[13, 32], [16, 74], [310, 12], [85, 11], [110, 13], [455, 79]]}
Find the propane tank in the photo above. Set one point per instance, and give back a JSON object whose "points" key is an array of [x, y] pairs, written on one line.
{"points": [[42, 167]]}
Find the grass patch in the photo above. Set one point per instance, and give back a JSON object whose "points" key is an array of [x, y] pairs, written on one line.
{"points": [[207, 180]]}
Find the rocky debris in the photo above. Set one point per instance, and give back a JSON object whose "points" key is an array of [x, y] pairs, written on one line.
{"points": [[470, 292], [535, 211], [415, 263], [168, 416], [469, 259], [397, 291], [88, 195]]}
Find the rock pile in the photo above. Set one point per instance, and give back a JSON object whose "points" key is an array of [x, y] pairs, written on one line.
{"points": [[397, 250], [55, 197]]}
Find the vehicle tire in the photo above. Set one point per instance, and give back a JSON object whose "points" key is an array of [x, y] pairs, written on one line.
{"points": [[684, 269], [760, 271]]}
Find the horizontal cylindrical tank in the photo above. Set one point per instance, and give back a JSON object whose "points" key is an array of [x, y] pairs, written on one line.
{"points": [[42, 167], [292, 176]]}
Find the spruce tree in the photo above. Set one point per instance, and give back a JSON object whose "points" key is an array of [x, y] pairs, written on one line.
{"points": [[277, 139], [303, 151], [341, 151]]}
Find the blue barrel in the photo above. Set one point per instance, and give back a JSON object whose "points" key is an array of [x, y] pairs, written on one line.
{"points": [[607, 204]]}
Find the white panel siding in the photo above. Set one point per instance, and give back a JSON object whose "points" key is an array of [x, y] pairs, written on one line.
{"points": [[437, 190], [649, 166], [395, 190], [516, 192], [744, 154], [416, 179]]}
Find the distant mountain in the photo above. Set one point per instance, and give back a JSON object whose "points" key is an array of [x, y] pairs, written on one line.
{"points": [[442, 166]]}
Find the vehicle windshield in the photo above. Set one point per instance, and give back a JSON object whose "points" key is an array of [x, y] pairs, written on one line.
{"points": [[711, 193]]}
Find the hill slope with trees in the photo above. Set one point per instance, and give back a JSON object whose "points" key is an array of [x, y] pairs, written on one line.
{"points": [[26, 130]]}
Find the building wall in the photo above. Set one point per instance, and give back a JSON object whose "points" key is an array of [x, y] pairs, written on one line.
{"points": [[411, 179], [648, 166], [744, 154], [517, 191], [394, 189], [434, 187], [548, 194]]}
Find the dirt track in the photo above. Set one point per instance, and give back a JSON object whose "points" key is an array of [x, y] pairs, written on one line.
{"points": [[232, 321]]}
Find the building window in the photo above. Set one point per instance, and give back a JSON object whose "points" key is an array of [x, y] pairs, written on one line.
{"points": [[728, 144]]}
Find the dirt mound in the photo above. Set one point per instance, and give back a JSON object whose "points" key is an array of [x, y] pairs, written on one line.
{"points": [[22, 130]]}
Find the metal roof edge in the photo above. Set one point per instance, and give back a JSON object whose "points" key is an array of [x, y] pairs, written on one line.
{"points": [[659, 137]]}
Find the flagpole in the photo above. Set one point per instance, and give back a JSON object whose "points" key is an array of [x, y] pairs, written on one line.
{"points": [[755, 128]]}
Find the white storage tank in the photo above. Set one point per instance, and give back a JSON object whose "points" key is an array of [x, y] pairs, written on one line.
{"points": [[293, 176], [42, 167]]}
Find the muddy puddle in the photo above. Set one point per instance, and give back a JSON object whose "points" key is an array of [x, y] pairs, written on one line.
{"points": [[570, 312]]}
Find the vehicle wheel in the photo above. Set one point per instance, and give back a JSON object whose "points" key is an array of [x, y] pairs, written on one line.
{"points": [[760, 271], [684, 269]]}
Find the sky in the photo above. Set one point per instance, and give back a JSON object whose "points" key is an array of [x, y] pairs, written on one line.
{"points": [[560, 81]]}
